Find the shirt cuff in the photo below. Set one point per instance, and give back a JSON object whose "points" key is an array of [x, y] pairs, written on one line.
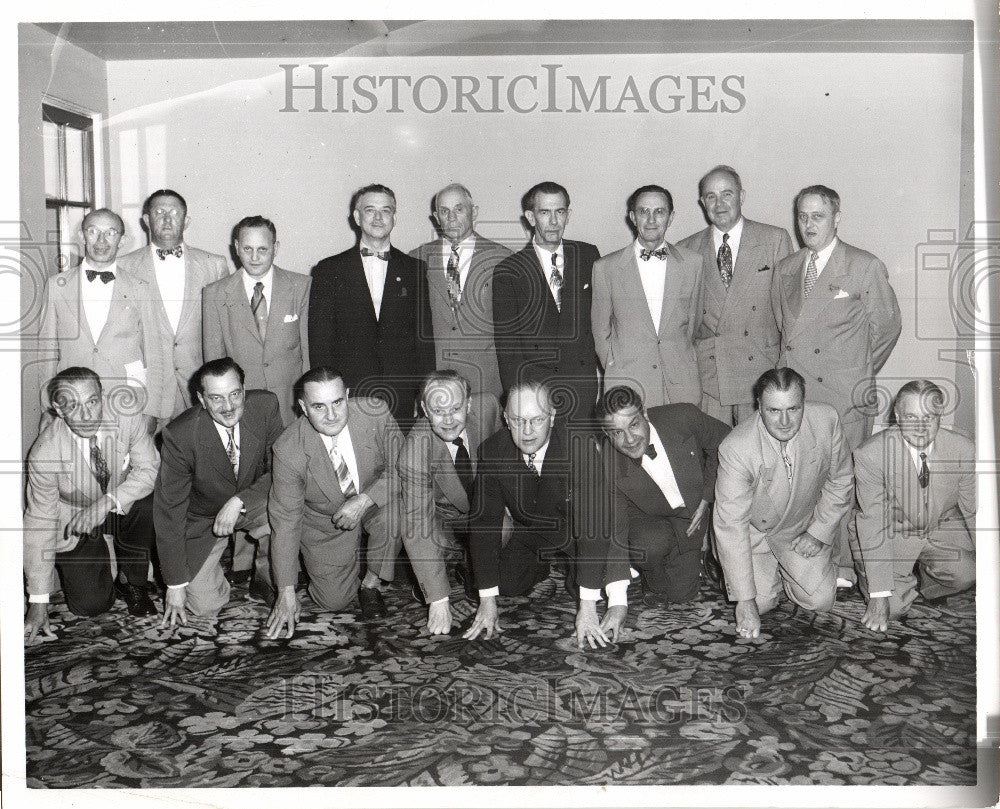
{"points": [[439, 601], [589, 594], [492, 592], [118, 506], [177, 586], [617, 593], [38, 598], [880, 594]]}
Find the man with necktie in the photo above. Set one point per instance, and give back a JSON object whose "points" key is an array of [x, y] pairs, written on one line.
{"points": [[736, 336], [90, 473], [839, 321], [437, 469], [916, 485], [541, 307], [369, 315], [460, 268], [645, 307], [214, 479], [175, 273], [334, 483], [783, 486]]}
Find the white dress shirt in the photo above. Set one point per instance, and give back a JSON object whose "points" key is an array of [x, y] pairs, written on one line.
{"points": [[653, 275], [95, 297], [915, 454], [170, 273], [453, 449], [249, 282], [545, 259], [735, 236], [466, 248], [375, 272], [661, 472], [822, 257], [342, 441]]}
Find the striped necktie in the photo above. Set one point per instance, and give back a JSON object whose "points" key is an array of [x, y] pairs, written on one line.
{"points": [[343, 473]]}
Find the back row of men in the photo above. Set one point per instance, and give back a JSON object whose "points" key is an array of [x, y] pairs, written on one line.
{"points": [[695, 322]]}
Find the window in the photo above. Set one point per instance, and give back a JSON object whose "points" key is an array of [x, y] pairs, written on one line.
{"points": [[69, 181]]}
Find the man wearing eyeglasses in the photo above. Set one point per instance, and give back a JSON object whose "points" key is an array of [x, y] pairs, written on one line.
{"points": [[916, 488], [99, 316], [214, 478]]}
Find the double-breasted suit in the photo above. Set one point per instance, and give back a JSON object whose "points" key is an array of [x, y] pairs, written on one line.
{"points": [[657, 360]]}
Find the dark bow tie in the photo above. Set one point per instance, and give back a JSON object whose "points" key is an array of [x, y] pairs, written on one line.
{"points": [[384, 255], [106, 276], [163, 252], [651, 452], [646, 255]]}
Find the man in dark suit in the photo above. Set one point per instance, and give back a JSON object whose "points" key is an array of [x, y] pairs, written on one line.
{"points": [[214, 478], [334, 477], [663, 472], [369, 315], [437, 469], [541, 307], [176, 274], [736, 336], [460, 287]]}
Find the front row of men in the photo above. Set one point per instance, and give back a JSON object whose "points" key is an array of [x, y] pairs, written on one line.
{"points": [[633, 504]]}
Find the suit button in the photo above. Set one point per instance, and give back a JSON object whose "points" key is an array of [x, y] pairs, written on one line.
{"points": [[704, 311], [788, 348], [750, 358], [711, 356], [95, 349], [753, 308], [267, 365], [746, 333], [819, 379], [454, 328], [816, 351], [655, 367]]}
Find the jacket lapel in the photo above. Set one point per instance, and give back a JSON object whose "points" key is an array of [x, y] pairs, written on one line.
{"points": [[634, 290], [279, 305], [364, 450], [214, 451], [192, 289], [319, 463], [239, 307], [251, 446], [356, 284], [74, 305], [445, 473]]}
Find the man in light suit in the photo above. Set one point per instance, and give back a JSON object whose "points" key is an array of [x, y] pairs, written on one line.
{"points": [[259, 316], [663, 471], [736, 336], [369, 316], [839, 321], [90, 473], [99, 316], [334, 478], [784, 485], [916, 485], [541, 307], [214, 478], [645, 307], [437, 469], [175, 273], [460, 287]]}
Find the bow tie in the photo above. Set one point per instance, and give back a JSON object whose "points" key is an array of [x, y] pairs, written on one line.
{"points": [[163, 252], [646, 255], [384, 255], [106, 276]]}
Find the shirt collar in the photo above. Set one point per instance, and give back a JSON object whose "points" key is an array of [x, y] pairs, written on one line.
{"points": [[823, 255], [735, 234], [86, 265], [639, 248], [331, 441], [915, 453], [249, 282], [539, 454], [545, 255], [468, 243], [363, 243], [153, 248], [224, 433]]}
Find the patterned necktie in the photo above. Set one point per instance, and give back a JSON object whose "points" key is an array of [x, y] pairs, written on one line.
{"points": [[258, 305], [463, 466], [810, 280], [233, 451], [725, 261], [454, 278], [384, 255], [787, 462], [531, 463], [343, 473], [100, 465], [646, 255], [162, 252], [105, 276], [924, 476], [556, 281]]}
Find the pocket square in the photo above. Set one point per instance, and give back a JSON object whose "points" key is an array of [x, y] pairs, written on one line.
{"points": [[291, 318], [586, 286], [841, 293]]}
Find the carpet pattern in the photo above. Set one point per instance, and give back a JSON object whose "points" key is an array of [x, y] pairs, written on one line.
{"points": [[817, 699]]}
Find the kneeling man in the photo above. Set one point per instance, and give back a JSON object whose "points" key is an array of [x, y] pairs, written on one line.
{"points": [[784, 483]]}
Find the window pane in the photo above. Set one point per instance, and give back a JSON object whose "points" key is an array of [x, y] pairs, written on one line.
{"points": [[51, 240], [50, 141], [76, 153]]}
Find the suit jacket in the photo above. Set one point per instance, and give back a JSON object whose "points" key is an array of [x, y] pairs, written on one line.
{"points": [[61, 482], [432, 493], [658, 361], [388, 355], [893, 506], [463, 336], [229, 330], [841, 335], [753, 495], [305, 492], [534, 339], [196, 479], [179, 354], [736, 336], [126, 352]]}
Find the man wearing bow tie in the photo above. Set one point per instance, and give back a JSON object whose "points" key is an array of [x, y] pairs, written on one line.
{"points": [[645, 307], [736, 336], [214, 479], [839, 320], [90, 473], [916, 484], [541, 307], [176, 274], [460, 287], [369, 315], [101, 317]]}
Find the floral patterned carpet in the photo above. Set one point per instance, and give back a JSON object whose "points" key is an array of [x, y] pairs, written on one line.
{"points": [[118, 702]]}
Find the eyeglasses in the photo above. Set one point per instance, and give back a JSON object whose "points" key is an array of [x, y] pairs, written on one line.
{"points": [[536, 423], [108, 233]]}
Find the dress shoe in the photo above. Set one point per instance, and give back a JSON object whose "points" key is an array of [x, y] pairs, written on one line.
{"points": [[136, 599], [238, 576], [260, 590], [651, 599], [712, 570], [372, 605]]}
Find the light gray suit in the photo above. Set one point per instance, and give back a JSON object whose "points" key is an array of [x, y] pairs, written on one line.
{"points": [[180, 354], [229, 330]]}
